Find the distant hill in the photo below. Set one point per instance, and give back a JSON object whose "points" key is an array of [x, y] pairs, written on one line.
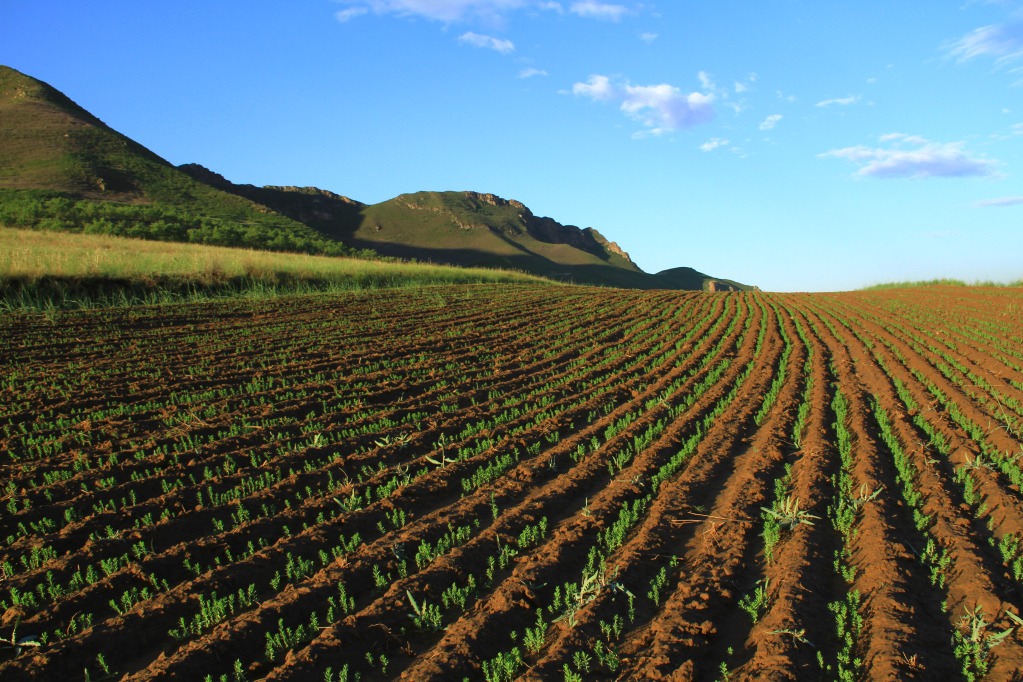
{"points": [[687, 278], [61, 167], [470, 229]]}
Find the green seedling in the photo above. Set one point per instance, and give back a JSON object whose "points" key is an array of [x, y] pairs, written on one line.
{"points": [[755, 603]]}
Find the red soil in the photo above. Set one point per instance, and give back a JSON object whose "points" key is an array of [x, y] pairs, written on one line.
{"points": [[157, 455]]}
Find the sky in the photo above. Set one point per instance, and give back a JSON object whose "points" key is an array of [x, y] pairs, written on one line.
{"points": [[796, 145]]}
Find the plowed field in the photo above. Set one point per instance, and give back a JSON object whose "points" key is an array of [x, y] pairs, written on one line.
{"points": [[516, 482]]}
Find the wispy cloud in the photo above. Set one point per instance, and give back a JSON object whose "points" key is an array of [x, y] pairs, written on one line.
{"points": [[707, 81], [741, 87], [713, 143], [598, 10], [488, 12], [1001, 42], [911, 156], [350, 13], [450, 11], [1003, 201], [531, 72], [838, 101], [660, 108], [440, 10], [770, 122], [488, 42], [648, 37]]}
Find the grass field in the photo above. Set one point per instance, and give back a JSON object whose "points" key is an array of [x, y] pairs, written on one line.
{"points": [[942, 283], [516, 481], [44, 270]]}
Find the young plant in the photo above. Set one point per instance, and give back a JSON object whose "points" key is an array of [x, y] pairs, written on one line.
{"points": [[755, 603]]}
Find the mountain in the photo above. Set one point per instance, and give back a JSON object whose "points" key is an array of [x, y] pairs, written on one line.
{"points": [[470, 229], [61, 167]]}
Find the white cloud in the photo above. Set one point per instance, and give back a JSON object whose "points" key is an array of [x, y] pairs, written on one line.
{"points": [[741, 87], [350, 13], [706, 82], [1002, 42], [598, 10], [660, 108], [529, 73], [910, 156], [840, 101], [770, 122], [552, 7], [488, 42], [648, 37], [598, 88], [1003, 201], [713, 143]]}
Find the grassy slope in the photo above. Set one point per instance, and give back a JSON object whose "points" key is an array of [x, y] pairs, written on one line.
{"points": [[943, 283], [42, 270]]}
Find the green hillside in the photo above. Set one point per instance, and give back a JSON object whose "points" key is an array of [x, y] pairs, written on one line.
{"points": [[63, 168], [473, 229]]}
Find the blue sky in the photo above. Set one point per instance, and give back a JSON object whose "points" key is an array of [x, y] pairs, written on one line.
{"points": [[795, 145]]}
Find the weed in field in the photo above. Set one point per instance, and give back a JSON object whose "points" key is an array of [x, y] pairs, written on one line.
{"points": [[426, 617], [973, 641], [787, 514], [18, 644], [442, 462], [797, 635], [400, 441]]}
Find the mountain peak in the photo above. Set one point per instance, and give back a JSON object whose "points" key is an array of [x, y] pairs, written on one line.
{"points": [[18, 88]]}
